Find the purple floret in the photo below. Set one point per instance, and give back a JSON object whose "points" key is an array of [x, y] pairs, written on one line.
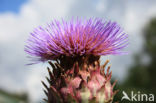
{"points": [[76, 38]]}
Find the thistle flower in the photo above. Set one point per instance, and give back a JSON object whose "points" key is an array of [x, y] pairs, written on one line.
{"points": [[89, 84], [76, 39], [76, 46]]}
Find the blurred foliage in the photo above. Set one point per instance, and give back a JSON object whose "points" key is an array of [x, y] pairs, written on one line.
{"points": [[142, 76], [6, 97]]}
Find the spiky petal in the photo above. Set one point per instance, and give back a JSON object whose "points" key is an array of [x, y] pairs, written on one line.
{"points": [[76, 39]]}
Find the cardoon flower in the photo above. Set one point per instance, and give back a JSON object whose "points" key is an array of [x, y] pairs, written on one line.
{"points": [[76, 46]]}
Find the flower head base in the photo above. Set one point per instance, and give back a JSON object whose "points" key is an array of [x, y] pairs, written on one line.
{"points": [[76, 39], [88, 84]]}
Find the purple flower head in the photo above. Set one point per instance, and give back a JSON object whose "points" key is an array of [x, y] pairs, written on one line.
{"points": [[76, 38]]}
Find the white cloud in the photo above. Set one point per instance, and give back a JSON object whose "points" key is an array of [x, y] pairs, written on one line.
{"points": [[33, 83], [101, 5]]}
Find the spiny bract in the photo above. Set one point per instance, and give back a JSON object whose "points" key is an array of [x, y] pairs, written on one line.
{"points": [[87, 84]]}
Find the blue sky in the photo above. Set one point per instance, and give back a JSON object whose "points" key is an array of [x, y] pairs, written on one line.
{"points": [[19, 17], [11, 5]]}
